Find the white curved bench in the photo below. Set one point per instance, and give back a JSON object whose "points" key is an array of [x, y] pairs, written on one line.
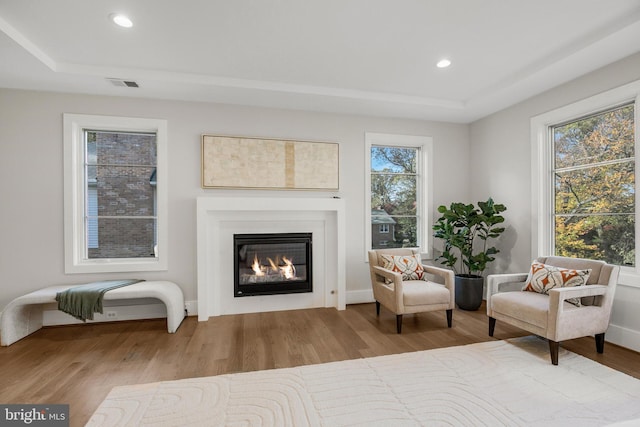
{"points": [[23, 315]]}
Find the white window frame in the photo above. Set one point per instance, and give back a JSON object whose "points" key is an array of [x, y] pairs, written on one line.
{"points": [[74, 194], [384, 229], [542, 168], [424, 185]]}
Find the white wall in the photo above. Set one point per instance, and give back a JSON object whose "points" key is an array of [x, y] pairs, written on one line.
{"points": [[31, 177], [501, 149]]}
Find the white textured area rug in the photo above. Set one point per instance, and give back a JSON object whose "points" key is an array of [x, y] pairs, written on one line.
{"points": [[497, 383]]}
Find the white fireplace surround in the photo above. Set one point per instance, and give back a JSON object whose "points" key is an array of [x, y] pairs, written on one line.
{"points": [[219, 218]]}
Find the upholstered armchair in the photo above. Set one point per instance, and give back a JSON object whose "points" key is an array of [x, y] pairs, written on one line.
{"points": [[414, 293], [556, 313]]}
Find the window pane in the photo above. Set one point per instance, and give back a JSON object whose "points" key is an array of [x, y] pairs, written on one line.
{"points": [[92, 214], [119, 148], [594, 184], [124, 238], [120, 186], [91, 174], [407, 232], [92, 154], [607, 238], [602, 137], [402, 231], [393, 159], [395, 194], [394, 201], [603, 189], [125, 191]]}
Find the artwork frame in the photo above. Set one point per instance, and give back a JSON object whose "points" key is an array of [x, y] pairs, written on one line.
{"points": [[269, 164]]}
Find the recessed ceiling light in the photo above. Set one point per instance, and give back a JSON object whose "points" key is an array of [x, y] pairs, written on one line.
{"points": [[443, 63], [121, 20]]}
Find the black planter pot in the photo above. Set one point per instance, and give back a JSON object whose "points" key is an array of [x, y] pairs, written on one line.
{"points": [[469, 291]]}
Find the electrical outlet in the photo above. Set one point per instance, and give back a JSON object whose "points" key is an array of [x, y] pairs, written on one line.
{"points": [[112, 314], [189, 306]]}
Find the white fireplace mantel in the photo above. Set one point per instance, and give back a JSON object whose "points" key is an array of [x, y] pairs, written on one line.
{"points": [[218, 218]]}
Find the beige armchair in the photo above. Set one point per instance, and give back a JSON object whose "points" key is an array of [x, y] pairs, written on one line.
{"points": [[410, 296], [551, 316]]}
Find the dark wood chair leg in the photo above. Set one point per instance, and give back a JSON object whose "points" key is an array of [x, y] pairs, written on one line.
{"points": [[449, 317], [399, 323], [553, 350], [377, 308], [600, 343], [492, 326]]}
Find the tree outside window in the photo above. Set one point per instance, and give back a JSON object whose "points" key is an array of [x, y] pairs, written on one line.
{"points": [[594, 187], [393, 196]]}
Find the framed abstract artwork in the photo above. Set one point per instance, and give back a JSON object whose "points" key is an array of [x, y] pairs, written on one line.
{"points": [[274, 164]]}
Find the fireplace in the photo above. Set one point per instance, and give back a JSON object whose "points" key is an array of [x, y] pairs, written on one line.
{"points": [[220, 218], [269, 264]]}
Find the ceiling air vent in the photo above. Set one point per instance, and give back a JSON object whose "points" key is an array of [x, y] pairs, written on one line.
{"points": [[122, 83]]}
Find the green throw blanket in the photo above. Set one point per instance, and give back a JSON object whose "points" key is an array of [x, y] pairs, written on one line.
{"points": [[84, 300]]}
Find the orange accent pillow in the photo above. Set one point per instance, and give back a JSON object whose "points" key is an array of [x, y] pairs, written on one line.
{"points": [[543, 278], [410, 266]]}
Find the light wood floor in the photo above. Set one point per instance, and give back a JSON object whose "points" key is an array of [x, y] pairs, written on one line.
{"points": [[79, 365]]}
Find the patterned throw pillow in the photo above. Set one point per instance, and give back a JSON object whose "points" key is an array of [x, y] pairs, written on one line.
{"points": [[544, 277], [409, 266]]}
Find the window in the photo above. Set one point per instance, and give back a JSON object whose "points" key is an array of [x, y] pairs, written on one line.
{"points": [[397, 191], [115, 195], [594, 187], [584, 179]]}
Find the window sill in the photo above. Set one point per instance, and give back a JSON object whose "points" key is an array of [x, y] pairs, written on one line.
{"points": [[117, 265], [629, 277]]}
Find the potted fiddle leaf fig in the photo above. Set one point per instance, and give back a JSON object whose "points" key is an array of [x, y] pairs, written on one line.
{"points": [[466, 231]]}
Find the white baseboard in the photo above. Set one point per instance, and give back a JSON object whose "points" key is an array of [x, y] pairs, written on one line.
{"points": [[54, 317], [360, 297], [352, 297], [148, 308], [623, 337]]}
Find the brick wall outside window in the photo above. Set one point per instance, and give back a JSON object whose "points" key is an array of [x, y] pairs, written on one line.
{"points": [[125, 164]]}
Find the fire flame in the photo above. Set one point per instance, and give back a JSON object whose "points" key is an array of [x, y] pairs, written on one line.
{"points": [[256, 267], [287, 270]]}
